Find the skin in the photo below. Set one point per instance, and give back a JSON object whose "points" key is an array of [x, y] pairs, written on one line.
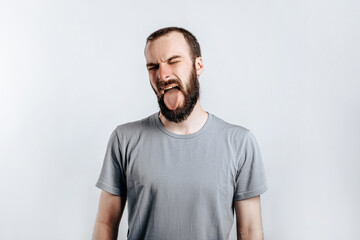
{"points": [[168, 57], [111, 208], [248, 219]]}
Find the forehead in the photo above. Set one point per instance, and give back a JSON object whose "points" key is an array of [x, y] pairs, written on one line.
{"points": [[166, 46]]}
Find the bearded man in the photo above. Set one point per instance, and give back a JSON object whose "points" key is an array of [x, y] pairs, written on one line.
{"points": [[183, 171]]}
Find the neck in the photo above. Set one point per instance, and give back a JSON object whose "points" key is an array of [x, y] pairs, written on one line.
{"points": [[192, 124]]}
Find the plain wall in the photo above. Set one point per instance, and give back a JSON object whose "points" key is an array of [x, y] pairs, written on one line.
{"points": [[71, 71]]}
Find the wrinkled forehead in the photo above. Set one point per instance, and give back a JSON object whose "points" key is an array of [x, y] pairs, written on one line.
{"points": [[166, 46]]}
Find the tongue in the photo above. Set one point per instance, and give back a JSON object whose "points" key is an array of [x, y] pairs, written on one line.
{"points": [[172, 98]]}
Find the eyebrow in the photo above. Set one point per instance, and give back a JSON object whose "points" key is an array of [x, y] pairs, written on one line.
{"points": [[169, 59]]}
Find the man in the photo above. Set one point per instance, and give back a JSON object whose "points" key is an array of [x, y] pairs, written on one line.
{"points": [[182, 170]]}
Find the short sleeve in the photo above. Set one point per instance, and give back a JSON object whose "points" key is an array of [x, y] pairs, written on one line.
{"points": [[112, 176], [250, 179]]}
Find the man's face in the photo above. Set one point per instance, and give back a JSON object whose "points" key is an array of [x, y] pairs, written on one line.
{"points": [[170, 64]]}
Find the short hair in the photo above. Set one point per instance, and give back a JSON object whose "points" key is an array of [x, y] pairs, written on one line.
{"points": [[189, 37]]}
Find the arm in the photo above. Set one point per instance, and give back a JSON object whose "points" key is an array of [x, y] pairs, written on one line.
{"points": [[111, 208], [248, 219]]}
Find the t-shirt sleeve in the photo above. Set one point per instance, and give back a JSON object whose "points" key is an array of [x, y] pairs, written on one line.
{"points": [[112, 176], [250, 179]]}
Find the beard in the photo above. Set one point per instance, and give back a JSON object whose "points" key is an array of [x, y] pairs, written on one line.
{"points": [[191, 96]]}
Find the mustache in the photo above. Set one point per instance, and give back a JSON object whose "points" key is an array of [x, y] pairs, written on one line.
{"points": [[162, 85]]}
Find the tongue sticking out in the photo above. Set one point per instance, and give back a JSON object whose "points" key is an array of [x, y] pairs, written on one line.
{"points": [[172, 98]]}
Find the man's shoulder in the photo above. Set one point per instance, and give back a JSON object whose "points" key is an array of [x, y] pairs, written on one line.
{"points": [[229, 127], [135, 127], [235, 134]]}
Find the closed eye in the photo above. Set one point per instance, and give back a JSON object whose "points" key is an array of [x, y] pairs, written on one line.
{"points": [[153, 67]]}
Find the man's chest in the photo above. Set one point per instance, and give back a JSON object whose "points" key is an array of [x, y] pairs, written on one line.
{"points": [[163, 167]]}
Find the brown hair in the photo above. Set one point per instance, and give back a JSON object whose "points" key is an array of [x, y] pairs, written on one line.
{"points": [[189, 37]]}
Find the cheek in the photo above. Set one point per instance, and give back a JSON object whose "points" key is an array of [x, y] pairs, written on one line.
{"points": [[181, 73], [185, 75], [152, 79], [153, 84], [180, 69]]}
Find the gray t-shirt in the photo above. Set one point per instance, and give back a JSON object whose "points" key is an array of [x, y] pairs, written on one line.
{"points": [[182, 186]]}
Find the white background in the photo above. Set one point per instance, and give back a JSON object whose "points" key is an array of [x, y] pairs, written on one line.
{"points": [[71, 71]]}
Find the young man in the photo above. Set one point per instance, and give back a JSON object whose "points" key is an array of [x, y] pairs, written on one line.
{"points": [[182, 170]]}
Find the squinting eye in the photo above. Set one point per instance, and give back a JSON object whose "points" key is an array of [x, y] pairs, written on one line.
{"points": [[153, 68]]}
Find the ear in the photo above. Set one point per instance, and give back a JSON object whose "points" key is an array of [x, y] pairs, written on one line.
{"points": [[199, 65]]}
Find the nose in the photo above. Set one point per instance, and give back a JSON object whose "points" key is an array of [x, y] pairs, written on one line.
{"points": [[164, 72]]}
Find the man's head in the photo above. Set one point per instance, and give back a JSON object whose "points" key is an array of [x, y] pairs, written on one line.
{"points": [[173, 60], [191, 40]]}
